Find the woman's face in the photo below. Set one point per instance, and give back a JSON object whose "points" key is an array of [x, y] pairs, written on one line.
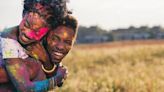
{"points": [[59, 43], [32, 28]]}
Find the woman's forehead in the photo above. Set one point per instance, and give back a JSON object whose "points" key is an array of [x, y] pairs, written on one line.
{"points": [[63, 30]]}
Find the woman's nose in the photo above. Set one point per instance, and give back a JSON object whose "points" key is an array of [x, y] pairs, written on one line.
{"points": [[60, 46]]}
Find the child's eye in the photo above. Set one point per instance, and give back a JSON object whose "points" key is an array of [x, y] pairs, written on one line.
{"points": [[27, 24]]}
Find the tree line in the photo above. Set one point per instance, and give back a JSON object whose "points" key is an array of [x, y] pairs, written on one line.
{"points": [[95, 34]]}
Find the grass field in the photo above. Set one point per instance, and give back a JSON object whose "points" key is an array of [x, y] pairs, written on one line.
{"points": [[136, 66]]}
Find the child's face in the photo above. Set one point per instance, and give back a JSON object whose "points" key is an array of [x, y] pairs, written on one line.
{"points": [[59, 43], [32, 28]]}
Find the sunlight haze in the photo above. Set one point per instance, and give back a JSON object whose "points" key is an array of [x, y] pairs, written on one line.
{"points": [[108, 14]]}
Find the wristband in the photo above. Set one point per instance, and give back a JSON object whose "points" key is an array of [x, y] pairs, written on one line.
{"points": [[51, 83]]}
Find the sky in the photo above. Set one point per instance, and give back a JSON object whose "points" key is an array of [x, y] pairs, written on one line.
{"points": [[108, 14]]}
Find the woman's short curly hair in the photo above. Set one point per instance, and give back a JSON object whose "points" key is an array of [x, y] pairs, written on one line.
{"points": [[56, 8], [69, 21]]}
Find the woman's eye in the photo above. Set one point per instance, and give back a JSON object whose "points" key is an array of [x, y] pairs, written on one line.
{"points": [[68, 42], [54, 38]]}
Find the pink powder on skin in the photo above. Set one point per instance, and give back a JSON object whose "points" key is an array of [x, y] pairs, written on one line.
{"points": [[37, 35]]}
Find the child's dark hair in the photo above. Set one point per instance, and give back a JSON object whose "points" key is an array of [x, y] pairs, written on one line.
{"points": [[56, 8]]}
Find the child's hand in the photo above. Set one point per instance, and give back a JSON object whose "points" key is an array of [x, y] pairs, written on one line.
{"points": [[37, 51], [61, 75]]}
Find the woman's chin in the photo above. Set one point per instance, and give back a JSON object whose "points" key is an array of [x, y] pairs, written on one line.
{"points": [[55, 61]]}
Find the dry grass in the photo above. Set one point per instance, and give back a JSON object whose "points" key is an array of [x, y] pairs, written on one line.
{"points": [[137, 68]]}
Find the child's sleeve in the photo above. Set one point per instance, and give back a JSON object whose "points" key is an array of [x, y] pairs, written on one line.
{"points": [[12, 49]]}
